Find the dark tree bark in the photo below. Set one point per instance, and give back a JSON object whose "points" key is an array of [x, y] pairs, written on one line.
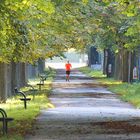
{"points": [[19, 75], [138, 62], [11, 75], [132, 63], [125, 65], [32, 70], [9, 80], [93, 56], [3, 82], [14, 82], [41, 65], [109, 62], [23, 74], [105, 61], [118, 67]]}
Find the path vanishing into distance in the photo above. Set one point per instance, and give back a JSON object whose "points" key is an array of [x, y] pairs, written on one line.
{"points": [[85, 110]]}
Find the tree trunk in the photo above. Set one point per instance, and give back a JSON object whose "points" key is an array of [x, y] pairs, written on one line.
{"points": [[110, 63], [129, 67], [138, 60], [41, 65], [23, 75], [9, 80], [19, 75], [105, 61], [124, 65], [32, 70], [133, 64], [14, 82], [117, 71], [3, 82]]}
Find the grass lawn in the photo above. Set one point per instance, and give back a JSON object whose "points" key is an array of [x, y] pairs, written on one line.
{"points": [[24, 119], [128, 92]]}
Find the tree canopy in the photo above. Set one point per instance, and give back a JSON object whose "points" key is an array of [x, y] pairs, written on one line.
{"points": [[46, 28]]}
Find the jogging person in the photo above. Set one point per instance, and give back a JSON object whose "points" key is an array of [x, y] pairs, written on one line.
{"points": [[68, 67]]}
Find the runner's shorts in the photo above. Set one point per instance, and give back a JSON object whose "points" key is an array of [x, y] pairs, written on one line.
{"points": [[68, 72]]}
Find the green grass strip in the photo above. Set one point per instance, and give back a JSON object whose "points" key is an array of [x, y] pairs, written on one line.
{"points": [[24, 119], [128, 92]]}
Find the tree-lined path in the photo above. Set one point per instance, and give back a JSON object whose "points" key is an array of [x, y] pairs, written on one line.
{"points": [[85, 110]]}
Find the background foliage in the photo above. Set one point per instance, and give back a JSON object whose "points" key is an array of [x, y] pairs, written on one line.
{"points": [[46, 28]]}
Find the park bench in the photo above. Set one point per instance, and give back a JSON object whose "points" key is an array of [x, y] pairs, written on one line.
{"points": [[24, 99], [42, 79], [44, 76], [32, 90], [40, 84], [4, 119]]}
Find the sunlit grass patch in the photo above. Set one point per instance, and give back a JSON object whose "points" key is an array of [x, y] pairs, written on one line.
{"points": [[24, 118], [92, 73], [110, 81], [47, 83], [128, 92], [98, 74]]}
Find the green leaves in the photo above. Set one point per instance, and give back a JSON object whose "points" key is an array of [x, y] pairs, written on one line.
{"points": [[85, 1], [45, 28], [45, 5], [18, 32]]}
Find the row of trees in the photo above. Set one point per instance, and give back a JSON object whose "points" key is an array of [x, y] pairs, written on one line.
{"points": [[32, 30], [41, 29], [119, 37], [16, 75], [22, 42], [44, 28], [113, 26]]}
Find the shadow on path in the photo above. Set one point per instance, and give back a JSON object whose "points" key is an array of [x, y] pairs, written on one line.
{"points": [[85, 110]]}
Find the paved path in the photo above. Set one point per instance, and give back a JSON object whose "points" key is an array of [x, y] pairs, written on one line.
{"points": [[86, 111]]}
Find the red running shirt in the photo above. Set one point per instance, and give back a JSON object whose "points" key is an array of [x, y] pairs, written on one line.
{"points": [[68, 67]]}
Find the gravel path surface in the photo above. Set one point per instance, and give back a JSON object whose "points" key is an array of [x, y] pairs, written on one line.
{"points": [[84, 110]]}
